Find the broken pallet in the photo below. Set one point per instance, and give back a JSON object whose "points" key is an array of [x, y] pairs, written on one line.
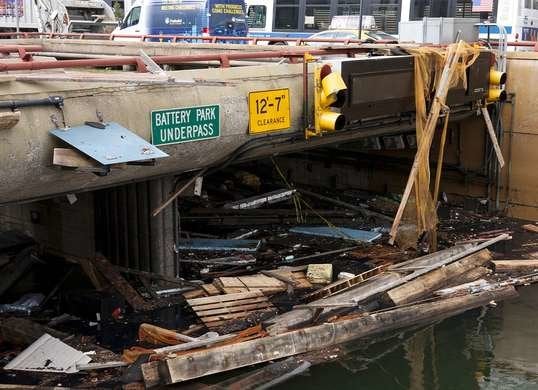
{"points": [[242, 284], [217, 310]]}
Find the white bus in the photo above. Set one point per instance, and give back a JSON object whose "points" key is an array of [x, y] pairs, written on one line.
{"points": [[519, 18], [302, 18]]}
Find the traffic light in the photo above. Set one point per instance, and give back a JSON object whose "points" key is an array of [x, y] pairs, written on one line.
{"points": [[496, 92], [329, 95]]}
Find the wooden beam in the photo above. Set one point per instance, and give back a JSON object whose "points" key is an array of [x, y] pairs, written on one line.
{"points": [[215, 360], [436, 279], [513, 266]]}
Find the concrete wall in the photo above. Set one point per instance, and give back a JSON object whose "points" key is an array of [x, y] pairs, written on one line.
{"points": [[465, 153], [520, 145], [55, 223]]}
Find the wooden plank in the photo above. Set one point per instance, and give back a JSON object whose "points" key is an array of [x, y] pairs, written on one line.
{"points": [[228, 357], [9, 119], [224, 298], [239, 302], [66, 157], [198, 293], [267, 284], [530, 228], [233, 309], [507, 266], [210, 289]]}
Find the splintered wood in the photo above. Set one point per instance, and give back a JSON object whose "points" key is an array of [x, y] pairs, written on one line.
{"points": [[215, 311]]}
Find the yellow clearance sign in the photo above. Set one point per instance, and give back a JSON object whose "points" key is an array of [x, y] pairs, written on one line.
{"points": [[269, 110]]}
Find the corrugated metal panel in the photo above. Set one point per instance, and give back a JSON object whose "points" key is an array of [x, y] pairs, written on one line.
{"points": [[112, 144], [337, 232], [48, 354]]}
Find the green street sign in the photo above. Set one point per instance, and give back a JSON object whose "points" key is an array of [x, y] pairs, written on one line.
{"points": [[177, 125]]}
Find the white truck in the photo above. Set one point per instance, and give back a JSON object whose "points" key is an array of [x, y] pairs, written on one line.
{"points": [[57, 16]]}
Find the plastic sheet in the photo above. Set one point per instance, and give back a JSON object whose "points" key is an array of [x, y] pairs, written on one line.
{"points": [[437, 70]]}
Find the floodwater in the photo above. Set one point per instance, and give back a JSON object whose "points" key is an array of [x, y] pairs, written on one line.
{"points": [[490, 349]]}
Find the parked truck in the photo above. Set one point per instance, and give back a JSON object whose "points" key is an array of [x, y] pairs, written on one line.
{"points": [[57, 16]]}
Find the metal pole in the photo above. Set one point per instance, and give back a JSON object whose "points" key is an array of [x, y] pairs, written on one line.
{"points": [[17, 15], [360, 18]]}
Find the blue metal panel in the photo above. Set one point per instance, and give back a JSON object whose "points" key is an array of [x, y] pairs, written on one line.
{"points": [[114, 144], [208, 244], [337, 232], [493, 29]]}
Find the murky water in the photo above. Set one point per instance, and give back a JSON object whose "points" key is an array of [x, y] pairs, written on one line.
{"points": [[481, 349]]}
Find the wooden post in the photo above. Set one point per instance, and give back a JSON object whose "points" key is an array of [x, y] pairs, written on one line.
{"points": [[491, 132]]}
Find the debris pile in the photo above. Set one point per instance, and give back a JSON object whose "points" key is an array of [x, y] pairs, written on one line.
{"points": [[285, 281]]}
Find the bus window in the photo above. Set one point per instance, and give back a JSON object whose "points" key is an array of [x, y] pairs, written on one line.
{"points": [[256, 16], [286, 18], [227, 18], [176, 18], [133, 18]]}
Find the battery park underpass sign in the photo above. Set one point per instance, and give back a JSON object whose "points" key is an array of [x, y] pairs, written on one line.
{"points": [[177, 125]]}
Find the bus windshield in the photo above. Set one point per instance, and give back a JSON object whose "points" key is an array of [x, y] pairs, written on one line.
{"points": [[178, 15]]}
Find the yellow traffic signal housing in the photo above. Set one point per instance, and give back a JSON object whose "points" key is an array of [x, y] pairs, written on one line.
{"points": [[496, 92], [329, 95]]}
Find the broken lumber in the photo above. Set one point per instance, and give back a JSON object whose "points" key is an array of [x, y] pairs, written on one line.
{"points": [[515, 266], [359, 293], [435, 280], [343, 285], [121, 285], [224, 358]]}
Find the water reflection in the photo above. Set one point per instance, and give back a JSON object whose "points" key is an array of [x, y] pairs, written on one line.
{"points": [[481, 349]]}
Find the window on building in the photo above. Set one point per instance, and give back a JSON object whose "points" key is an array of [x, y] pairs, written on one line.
{"points": [[528, 4], [348, 7], [256, 16], [286, 18]]}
